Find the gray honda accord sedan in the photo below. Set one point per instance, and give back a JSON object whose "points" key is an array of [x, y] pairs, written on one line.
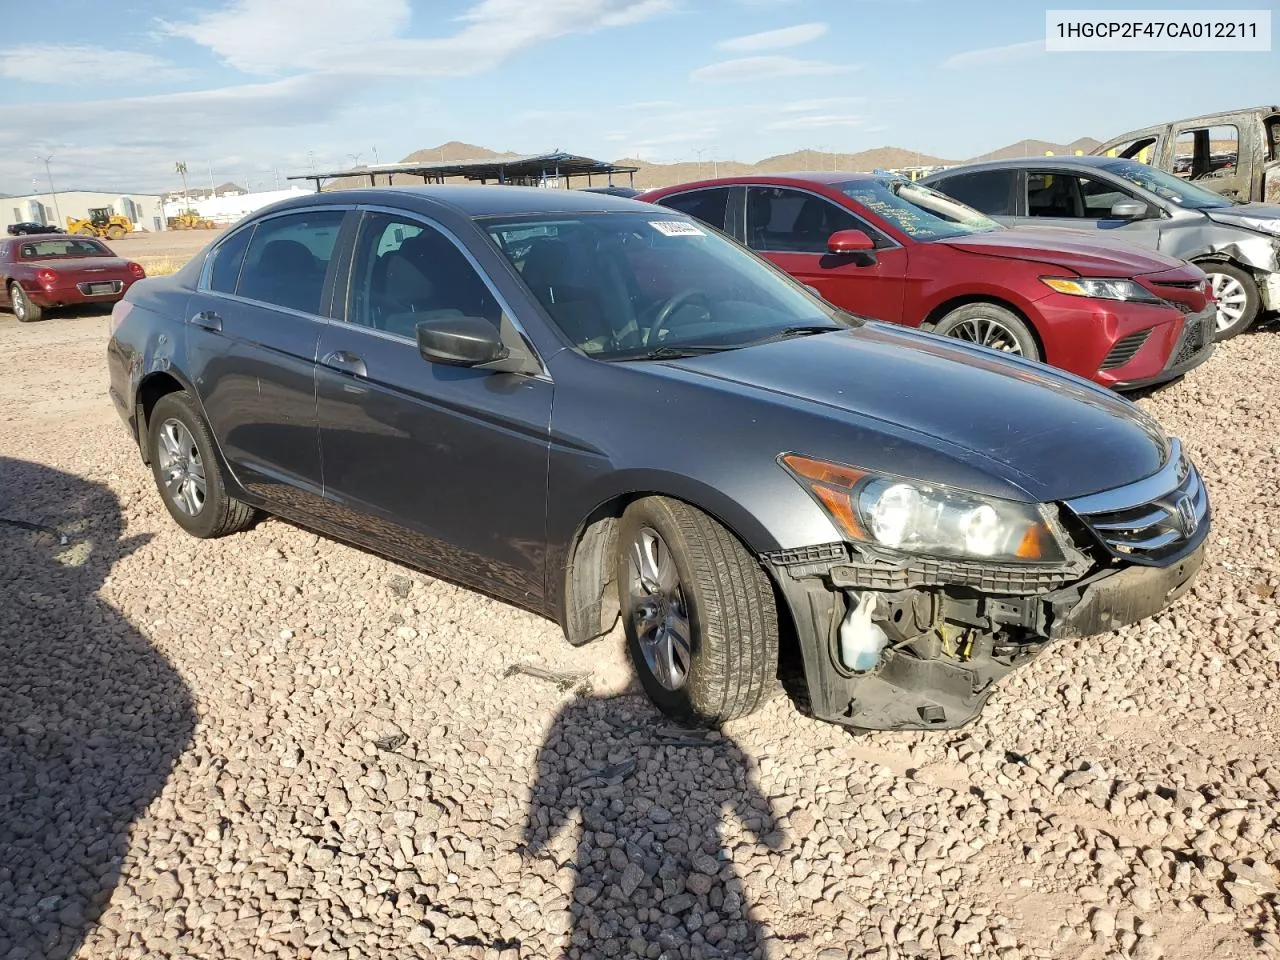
{"points": [[596, 408]]}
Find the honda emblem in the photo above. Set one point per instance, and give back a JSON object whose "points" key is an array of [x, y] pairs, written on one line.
{"points": [[1187, 518]]}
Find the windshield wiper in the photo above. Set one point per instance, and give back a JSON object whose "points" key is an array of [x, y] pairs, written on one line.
{"points": [[788, 333], [676, 352]]}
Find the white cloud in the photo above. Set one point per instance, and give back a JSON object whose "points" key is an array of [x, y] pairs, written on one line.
{"points": [[766, 68], [818, 122], [774, 39], [80, 65], [268, 36], [1009, 53], [361, 39], [823, 103]]}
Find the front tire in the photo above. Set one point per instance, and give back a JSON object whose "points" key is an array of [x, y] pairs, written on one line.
{"points": [[187, 471], [698, 611], [990, 325], [23, 308], [1237, 298]]}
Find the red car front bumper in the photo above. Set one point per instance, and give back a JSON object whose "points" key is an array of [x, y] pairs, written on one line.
{"points": [[1124, 345]]}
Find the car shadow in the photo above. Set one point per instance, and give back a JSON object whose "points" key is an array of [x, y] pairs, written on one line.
{"points": [[650, 858], [92, 718]]}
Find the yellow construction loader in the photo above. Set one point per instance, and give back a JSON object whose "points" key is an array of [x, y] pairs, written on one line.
{"points": [[190, 220], [102, 222]]}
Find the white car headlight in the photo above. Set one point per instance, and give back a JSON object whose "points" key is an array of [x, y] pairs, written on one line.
{"points": [[924, 518], [1101, 288]]}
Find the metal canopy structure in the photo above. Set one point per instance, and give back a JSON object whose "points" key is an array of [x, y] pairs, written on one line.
{"points": [[530, 171]]}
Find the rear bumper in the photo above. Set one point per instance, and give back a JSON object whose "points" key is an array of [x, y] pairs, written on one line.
{"points": [[950, 643], [67, 294]]}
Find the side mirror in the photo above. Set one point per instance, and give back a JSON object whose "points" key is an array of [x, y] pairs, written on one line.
{"points": [[1128, 210], [460, 341], [850, 241]]}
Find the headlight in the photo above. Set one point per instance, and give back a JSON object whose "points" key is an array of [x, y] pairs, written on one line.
{"points": [[1102, 289], [1262, 226], [926, 518]]}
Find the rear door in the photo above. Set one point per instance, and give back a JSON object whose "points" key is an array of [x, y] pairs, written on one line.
{"points": [[254, 326], [445, 466], [791, 226], [1214, 156], [1079, 201], [719, 207]]}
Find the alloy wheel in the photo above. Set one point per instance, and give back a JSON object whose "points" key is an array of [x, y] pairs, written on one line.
{"points": [[181, 468], [658, 609], [987, 332], [18, 302], [1232, 300]]}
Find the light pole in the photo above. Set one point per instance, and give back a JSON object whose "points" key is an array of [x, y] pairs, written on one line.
{"points": [[355, 159], [376, 161], [52, 189], [698, 153]]}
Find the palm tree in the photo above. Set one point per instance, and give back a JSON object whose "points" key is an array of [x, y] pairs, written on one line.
{"points": [[181, 168]]}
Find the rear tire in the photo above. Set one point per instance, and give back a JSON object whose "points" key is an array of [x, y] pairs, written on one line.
{"points": [[188, 473], [680, 572], [23, 308], [1237, 295], [990, 325], [115, 231]]}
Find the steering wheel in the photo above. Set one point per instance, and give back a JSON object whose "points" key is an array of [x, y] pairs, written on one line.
{"points": [[668, 310]]}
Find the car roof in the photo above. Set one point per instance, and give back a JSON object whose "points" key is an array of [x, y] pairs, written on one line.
{"points": [[1029, 163], [778, 179], [485, 200]]}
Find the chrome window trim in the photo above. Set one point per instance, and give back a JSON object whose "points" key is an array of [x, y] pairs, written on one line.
{"points": [[893, 244], [453, 238], [1142, 492]]}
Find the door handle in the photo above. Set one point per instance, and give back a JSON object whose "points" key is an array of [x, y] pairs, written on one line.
{"points": [[208, 319], [346, 362]]}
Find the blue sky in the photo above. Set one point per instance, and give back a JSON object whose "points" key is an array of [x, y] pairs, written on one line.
{"points": [[117, 92]]}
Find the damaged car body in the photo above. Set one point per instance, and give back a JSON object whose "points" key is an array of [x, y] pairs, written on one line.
{"points": [[1236, 244], [604, 411]]}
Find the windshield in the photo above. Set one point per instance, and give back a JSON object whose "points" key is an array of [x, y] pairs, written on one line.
{"points": [[1166, 185], [920, 213], [626, 285], [43, 249]]}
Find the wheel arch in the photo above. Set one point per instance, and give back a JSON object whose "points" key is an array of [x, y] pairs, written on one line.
{"points": [[934, 317], [584, 603], [151, 388]]}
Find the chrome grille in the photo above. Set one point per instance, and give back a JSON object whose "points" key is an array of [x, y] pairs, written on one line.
{"points": [[1154, 519], [1125, 349]]}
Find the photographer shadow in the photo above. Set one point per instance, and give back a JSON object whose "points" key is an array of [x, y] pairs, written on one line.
{"points": [[92, 718]]}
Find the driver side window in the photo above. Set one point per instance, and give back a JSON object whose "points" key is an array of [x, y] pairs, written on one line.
{"points": [[780, 220], [406, 271]]}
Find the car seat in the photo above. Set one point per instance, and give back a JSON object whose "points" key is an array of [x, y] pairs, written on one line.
{"points": [[566, 280], [287, 274]]}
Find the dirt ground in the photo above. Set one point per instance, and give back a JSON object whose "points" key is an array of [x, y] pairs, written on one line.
{"points": [[278, 745]]}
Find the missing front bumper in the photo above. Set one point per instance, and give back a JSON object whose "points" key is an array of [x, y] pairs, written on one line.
{"points": [[950, 644]]}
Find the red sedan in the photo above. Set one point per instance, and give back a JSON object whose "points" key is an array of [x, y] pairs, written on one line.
{"points": [[884, 247], [39, 273]]}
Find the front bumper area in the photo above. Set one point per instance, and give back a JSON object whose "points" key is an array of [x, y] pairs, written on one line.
{"points": [[954, 631], [1195, 345]]}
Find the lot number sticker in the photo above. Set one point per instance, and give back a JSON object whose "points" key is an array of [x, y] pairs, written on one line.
{"points": [[676, 228]]}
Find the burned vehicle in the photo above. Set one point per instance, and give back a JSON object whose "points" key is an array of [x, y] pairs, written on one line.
{"points": [[595, 408], [1236, 244], [1236, 153]]}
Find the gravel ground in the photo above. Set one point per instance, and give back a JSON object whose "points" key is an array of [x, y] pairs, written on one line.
{"points": [[278, 745]]}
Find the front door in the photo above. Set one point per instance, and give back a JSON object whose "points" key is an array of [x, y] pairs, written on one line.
{"points": [[791, 228], [1215, 157], [1076, 201], [443, 466], [253, 329]]}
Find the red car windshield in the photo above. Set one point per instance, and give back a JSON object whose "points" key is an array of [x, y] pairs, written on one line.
{"points": [[920, 213], [62, 247]]}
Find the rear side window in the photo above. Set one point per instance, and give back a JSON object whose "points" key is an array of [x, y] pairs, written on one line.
{"points": [[287, 259], [987, 191], [227, 258], [709, 205]]}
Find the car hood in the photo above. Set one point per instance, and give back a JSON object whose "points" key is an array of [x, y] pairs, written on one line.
{"points": [[1051, 435], [1084, 254], [1253, 211]]}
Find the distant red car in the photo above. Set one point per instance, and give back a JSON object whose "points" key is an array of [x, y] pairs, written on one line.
{"points": [[884, 247], [39, 273]]}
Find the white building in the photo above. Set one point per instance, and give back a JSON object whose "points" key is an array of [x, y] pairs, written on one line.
{"points": [[144, 209], [229, 208]]}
